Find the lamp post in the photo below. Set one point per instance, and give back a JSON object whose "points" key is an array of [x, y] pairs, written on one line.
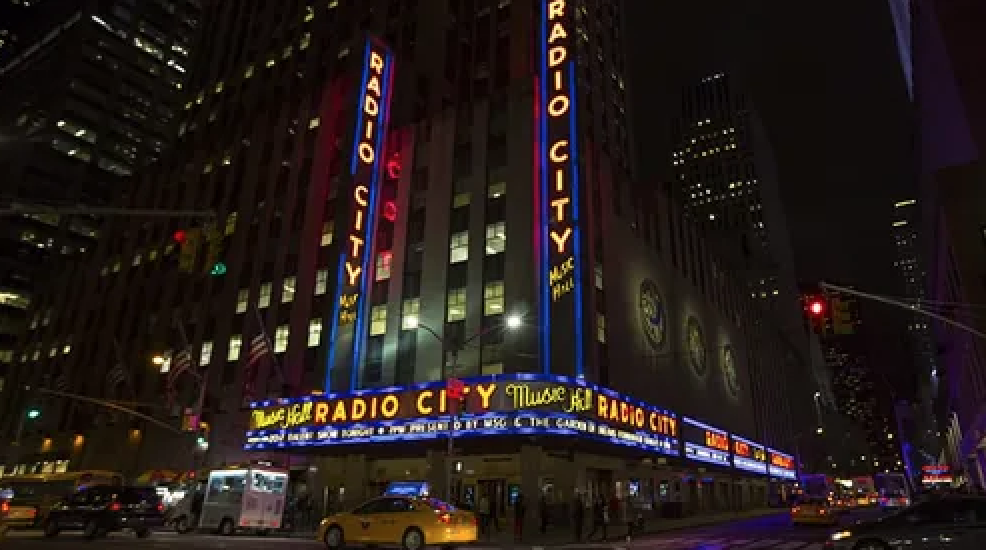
{"points": [[450, 356]]}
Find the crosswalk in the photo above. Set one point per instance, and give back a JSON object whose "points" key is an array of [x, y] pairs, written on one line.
{"points": [[718, 543]]}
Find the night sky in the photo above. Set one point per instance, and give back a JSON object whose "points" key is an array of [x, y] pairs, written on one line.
{"points": [[826, 79]]}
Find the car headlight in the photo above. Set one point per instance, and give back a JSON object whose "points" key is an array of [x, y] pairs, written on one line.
{"points": [[841, 535]]}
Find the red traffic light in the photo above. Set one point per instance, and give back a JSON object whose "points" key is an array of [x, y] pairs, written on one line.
{"points": [[179, 236], [816, 307]]}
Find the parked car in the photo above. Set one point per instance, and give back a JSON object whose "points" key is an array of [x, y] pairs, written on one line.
{"points": [[97, 511], [954, 522]]}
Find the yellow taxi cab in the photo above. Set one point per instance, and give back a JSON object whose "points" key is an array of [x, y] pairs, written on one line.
{"points": [[814, 512], [410, 522]]}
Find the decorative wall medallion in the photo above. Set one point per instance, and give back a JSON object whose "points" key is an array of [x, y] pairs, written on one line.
{"points": [[729, 374], [653, 315], [695, 345]]}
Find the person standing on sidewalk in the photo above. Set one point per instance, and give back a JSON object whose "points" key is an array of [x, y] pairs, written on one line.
{"points": [[543, 512], [520, 508], [578, 516], [484, 515], [599, 518]]}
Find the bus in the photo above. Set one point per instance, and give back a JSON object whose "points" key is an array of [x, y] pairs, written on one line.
{"points": [[892, 490]]}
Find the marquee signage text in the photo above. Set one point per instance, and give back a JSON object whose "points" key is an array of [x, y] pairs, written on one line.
{"points": [[781, 465], [358, 214], [512, 404], [559, 190]]}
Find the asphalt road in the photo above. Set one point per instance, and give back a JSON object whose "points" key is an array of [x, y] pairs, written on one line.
{"points": [[773, 532], [28, 540]]}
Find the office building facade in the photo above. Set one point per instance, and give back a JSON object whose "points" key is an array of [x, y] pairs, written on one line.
{"points": [[393, 181], [88, 94]]}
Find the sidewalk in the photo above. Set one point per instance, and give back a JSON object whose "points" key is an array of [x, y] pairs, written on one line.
{"points": [[558, 536]]}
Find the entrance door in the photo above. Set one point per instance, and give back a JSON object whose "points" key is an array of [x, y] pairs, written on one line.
{"points": [[496, 491]]}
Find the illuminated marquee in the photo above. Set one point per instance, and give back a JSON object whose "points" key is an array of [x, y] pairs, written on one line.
{"points": [[705, 443], [501, 405], [559, 194], [781, 465], [372, 111], [749, 456]]}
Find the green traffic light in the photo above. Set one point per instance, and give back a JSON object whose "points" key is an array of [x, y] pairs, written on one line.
{"points": [[218, 268], [33, 413]]}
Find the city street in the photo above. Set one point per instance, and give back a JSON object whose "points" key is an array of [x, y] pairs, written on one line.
{"points": [[773, 532]]}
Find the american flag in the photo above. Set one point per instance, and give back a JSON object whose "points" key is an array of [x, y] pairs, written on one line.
{"points": [[116, 376], [180, 362], [259, 349]]}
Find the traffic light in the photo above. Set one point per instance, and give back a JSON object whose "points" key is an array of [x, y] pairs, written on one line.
{"points": [[214, 249], [816, 307], [202, 439], [34, 413], [188, 241]]}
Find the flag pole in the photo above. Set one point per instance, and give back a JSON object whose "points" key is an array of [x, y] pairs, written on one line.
{"points": [[273, 355]]}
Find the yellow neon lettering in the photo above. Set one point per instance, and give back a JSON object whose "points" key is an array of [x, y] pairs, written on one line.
{"points": [[357, 243], [557, 81], [560, 240], [389, 406], [353, 272], [557, 31], [556, 56], [485, 393], [376, 62], [368, 134], [358, 222], [373, 86], [555, 155], [359, 410], [559, 180], [559, 206], [423, 409], [360, 195], [556, 8], [366, 153], [370, 105], [558, 105]]}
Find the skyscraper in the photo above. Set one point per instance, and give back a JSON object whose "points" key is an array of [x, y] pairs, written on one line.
{"points": [[408, 192], [87, 95], [726, 177]]}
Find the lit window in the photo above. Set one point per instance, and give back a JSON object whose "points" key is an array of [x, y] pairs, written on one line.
{"points": [[52, 352], [493, 298], [309, 14], [492, 368], [231, 223], [288, 289], [383, 265], [248, 72], [378, 320], [456, 307], [314, 122], [235, 343], [219, 87], [281, 338], [601, 328], [599, 276], [458, 247], [305, 41], [496, 238], [496, 189], [461, 199], [66, 349], [314, 333], [321, 281], [242, 299], [409, 313], [264, 299], [206, 355], [14, 299], [326, 233]]}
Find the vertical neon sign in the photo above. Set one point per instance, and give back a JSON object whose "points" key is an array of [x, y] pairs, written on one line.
{"points": [[561, 286], [373, 110]]}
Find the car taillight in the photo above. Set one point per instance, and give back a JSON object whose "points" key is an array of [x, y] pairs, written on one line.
{"points": [[4, 507], [160, 507], [795, 510], [445, 518], [114, 506], [475, 520], [821, 511]]}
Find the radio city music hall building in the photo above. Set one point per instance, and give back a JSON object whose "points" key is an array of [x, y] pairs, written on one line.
{"points": [[399, 207]]}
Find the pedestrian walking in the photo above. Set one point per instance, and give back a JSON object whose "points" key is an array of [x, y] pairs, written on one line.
{"points": [[484, 515], [520, 508], [578, 516], [600, 517]]}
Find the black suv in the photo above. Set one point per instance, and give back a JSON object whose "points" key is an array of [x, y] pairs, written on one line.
{"points": [[97, 511]]}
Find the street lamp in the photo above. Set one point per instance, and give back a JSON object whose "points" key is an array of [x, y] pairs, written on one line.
{"points": [[158, 360], [450, 355]]}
